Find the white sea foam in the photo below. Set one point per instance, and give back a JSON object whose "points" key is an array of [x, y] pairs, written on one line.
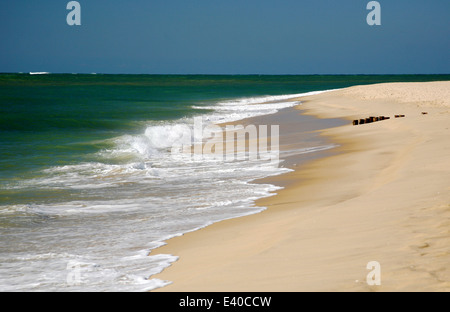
{"points": [[238, 109], [270, 98]]}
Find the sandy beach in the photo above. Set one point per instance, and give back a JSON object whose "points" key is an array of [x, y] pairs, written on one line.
{"points": [[383, 195]]}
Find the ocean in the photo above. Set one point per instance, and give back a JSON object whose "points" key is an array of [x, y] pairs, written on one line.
{"points": [[88, 182]]}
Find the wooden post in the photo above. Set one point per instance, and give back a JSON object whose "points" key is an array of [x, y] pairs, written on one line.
{"points": [[355, 122]]}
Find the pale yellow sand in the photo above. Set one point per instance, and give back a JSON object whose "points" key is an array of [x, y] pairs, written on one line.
{"points": [[385, 197]]}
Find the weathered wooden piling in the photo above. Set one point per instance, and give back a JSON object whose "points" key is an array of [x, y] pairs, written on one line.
{"points": [[371, 119]]}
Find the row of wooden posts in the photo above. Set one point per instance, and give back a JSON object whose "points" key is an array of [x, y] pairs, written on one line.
{"points": [[373, 119]]}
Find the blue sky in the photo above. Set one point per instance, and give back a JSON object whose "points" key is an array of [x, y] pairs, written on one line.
{"points": [[226, 37]]}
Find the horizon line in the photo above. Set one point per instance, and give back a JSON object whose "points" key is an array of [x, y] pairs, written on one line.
{"points": [[221, 74]]}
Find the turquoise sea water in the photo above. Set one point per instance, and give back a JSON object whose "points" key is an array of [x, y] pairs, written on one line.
{"points": [[86, 182]]}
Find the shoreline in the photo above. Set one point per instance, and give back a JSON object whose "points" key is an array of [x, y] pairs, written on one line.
{"points": [[383, 197]]}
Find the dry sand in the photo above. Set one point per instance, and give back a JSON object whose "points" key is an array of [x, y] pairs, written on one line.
{"points": [[384, 197]]}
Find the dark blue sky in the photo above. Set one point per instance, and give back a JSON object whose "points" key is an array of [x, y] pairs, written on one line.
{"points": [[226, 37]]}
